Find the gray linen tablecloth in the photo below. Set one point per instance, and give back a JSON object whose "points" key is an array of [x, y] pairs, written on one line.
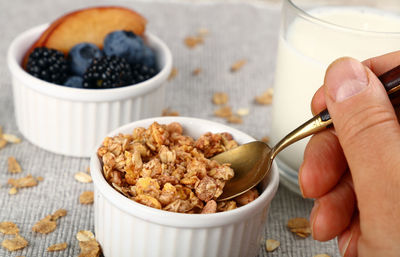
{"points": [[237, 31]]}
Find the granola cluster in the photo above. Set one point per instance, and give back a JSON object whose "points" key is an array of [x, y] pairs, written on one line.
{"points": [[164, 169]]}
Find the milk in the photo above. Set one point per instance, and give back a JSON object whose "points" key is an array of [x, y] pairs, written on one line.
{"points": [[306, 50]]}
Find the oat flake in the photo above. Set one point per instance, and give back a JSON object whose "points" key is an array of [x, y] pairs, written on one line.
{"points": [[85, 235], [271, 245], [86, 197], [14, 244], [13, 191], [13, 165], [9, 228], [57, 247], [83, 177], [265, 98], [300, 226], [223, 112], [11, 138], [220, 98], [238, 65]]}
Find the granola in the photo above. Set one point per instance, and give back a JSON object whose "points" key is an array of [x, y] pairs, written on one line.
{"points": [[271, 245], [9, 228], [266, 97], [49, 223], [13, 165], [57, 247], [238, 65], [16, 243], [86, 197], [162, 168], [300, 226]]}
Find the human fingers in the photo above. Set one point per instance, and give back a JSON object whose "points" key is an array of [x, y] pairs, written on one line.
{"points": [[348, 240], [323, 165], [369, 134], [332, 212]]}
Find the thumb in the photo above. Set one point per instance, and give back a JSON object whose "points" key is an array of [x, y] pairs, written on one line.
{"points": [[364, 120]]}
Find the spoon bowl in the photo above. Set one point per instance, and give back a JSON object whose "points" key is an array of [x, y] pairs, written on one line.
{"points": [[252, 161]]}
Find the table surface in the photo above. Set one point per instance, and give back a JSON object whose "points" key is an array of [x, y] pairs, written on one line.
{"points": [[237, 31]]}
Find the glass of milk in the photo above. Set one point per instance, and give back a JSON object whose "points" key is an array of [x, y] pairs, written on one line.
{"points": [[313, 34]]}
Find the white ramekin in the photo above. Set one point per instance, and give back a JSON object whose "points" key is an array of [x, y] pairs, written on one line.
{"points": [[126, 228], [73, 121]]}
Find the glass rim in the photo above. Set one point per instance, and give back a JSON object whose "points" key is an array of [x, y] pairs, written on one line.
{"points": [[310, 17]]}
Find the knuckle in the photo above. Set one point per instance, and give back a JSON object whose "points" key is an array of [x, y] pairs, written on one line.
{"points": [[366, 122]]}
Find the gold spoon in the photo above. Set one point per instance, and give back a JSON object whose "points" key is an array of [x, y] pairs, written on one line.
{"points": [[252, 161]]}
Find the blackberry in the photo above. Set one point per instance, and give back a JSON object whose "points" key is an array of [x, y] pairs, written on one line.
{"points": [[107, 72], [48, 64], [141, 73]]}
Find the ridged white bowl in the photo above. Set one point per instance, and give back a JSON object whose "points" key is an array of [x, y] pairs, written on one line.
{"points": [[73, 121], [126, 228]]}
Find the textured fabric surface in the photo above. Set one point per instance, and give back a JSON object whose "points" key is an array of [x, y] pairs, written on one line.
{"points": [[237, 31]]}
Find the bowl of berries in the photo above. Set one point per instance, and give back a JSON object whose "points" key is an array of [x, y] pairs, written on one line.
{"points": [[85, 74]]}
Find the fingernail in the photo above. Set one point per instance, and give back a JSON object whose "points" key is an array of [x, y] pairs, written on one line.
{"points": [[301, 184], [345, 78], [346, 245], [313, 215]]}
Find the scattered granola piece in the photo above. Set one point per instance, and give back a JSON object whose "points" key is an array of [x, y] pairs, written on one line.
{"points": [[3, 143], [197, 71], [57, 247], [13, 191], [265, 139], [169, 112], [49, 223], [192, 41], [83, 177], [238, 65], [223, 112], [266, 97], [13, 165], [27, 181], [235, 119], [243, 111], [300, 226], [321, 255], [14, 244], [84, 235], [202, 32], [40, 178], [9, 228], [271, 245], [58, 214], [173, 74], [86, 197], [220, 98], [11, 138], [45, 225], [89, 249]]}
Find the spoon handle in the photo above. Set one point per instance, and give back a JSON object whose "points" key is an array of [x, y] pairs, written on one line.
{"points": [[391, 82]]}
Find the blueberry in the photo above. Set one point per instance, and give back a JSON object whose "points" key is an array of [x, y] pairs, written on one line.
{"points": [[81, 56], [74, 81], [149, 58], [124, 44]]}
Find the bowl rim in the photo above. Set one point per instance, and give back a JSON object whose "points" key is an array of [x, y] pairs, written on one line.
{"points": [[77, 94], [173, 219]]}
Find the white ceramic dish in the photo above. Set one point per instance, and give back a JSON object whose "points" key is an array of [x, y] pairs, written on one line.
{"points": [[126, 228], [73, 121]]}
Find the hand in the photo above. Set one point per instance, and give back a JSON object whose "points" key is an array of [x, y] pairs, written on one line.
{"points": [[353, 170]]}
